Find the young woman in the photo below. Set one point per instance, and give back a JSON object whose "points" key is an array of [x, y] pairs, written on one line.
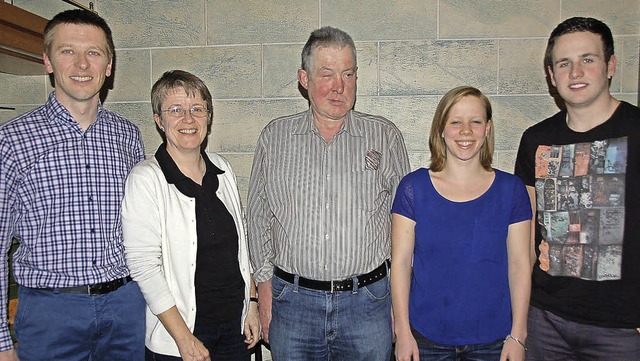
{"points": [[460, 244]]}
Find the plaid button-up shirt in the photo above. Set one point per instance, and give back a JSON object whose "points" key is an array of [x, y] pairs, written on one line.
{"points": [[60, 194]]}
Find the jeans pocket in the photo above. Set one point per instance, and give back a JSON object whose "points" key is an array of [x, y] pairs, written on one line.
{"points": [[379, 290], [279, 288]]}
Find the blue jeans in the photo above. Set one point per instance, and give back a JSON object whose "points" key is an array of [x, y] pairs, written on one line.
{"points": [[223, 340], [63, 326], [552, 338], [310, 325], [431, 351]]}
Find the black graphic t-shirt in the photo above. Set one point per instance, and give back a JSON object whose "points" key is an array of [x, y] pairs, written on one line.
{"points": [[588, 217]]}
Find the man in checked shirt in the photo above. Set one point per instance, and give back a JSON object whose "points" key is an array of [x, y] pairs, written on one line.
{"points": [[62, 172], [318, 216]]}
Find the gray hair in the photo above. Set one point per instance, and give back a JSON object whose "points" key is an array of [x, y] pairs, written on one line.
{"points": [[326, 37]]}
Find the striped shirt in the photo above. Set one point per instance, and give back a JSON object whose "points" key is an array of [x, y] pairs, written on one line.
{"points": [[322, 210], [60, 194]]}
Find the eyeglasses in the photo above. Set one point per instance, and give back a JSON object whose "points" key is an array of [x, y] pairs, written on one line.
{"points": [[177, 112]]}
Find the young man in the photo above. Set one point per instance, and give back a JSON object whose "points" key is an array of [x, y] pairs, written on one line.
{"points": [[62, 172], [582, 168], [318, 216]]}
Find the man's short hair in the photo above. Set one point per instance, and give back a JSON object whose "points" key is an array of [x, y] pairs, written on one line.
{"points": [[175, 79], [325, 37], [578, 24], [78, 17], [437, 146]]}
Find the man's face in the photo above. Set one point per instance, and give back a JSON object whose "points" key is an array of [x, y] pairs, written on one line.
{"points": [[79, 63], [331, 82], [579, 70]]}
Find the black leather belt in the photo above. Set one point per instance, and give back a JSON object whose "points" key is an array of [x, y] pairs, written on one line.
{"points": [[335, 286], [92, 290]]}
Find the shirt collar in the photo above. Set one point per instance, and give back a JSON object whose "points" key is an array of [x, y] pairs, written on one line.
{"points": [[350, 126], [170, 169], [58, 111]]}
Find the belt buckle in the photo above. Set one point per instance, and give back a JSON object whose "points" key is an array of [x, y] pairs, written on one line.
{"points": [[332, 284], [90, 290]]}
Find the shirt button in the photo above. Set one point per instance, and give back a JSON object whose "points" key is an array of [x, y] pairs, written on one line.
{"points": [[326, 236], [90, 198], [87, 166], [93, 230]]}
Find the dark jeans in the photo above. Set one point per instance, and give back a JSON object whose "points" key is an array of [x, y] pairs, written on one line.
{"points": [[431, 351], [552, 338], [223, 340]]}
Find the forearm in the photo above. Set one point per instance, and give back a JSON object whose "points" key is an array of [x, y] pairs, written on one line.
{"points": [[400, 288], [175, 325], [519, 277], [402, 245]]}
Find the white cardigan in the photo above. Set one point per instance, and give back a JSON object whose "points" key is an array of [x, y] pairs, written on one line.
{"points": [[159, 227]]}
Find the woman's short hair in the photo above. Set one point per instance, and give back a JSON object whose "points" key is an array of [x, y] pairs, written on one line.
{"points": [[175, 79], [436, 141]]}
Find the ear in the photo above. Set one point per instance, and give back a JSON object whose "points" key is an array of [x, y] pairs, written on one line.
{"points": [[303, 78], [158, 120], [611, 66], [108, 72], [489, 125], [552, 76], [47, 63]]}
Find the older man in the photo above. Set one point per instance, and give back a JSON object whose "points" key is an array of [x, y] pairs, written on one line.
{"points": [[320, 195], [62, 172]]}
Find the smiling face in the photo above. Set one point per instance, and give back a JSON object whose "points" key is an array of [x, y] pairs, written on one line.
{"points": [[331, 82], [579, 70], [79, 62], [465, 130], [185, 134]]}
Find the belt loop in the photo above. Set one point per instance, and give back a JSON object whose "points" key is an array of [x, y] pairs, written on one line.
{"points": [[354, 288], [296, 280], [387, 264]]}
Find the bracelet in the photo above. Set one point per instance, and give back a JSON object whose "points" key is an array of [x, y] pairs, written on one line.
{"points": [[510, 336], [253, 299]]}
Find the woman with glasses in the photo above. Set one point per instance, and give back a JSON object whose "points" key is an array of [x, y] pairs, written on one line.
{"points": [[184, 235]]}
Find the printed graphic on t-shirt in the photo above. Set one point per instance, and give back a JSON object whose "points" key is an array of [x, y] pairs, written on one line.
{"points": [[580, 202]]}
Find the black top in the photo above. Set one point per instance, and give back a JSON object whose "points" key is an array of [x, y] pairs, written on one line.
{"points": [[218, 281], [588, 210]]}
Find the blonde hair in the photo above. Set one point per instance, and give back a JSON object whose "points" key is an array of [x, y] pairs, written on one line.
{"points": [[436, 141]]}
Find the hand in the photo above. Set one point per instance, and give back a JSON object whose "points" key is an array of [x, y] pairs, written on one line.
{"points": [[512, 351], [544, 256], [252, 325], [9, 355], [406, 348], [264, 299], [191, 349]]}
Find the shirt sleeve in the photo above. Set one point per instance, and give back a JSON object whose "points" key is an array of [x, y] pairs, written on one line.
{"points": [[8, 182], [403, 202], [260, 215], [521, 208], [399, 161], [525, 162], [141, 223]]}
